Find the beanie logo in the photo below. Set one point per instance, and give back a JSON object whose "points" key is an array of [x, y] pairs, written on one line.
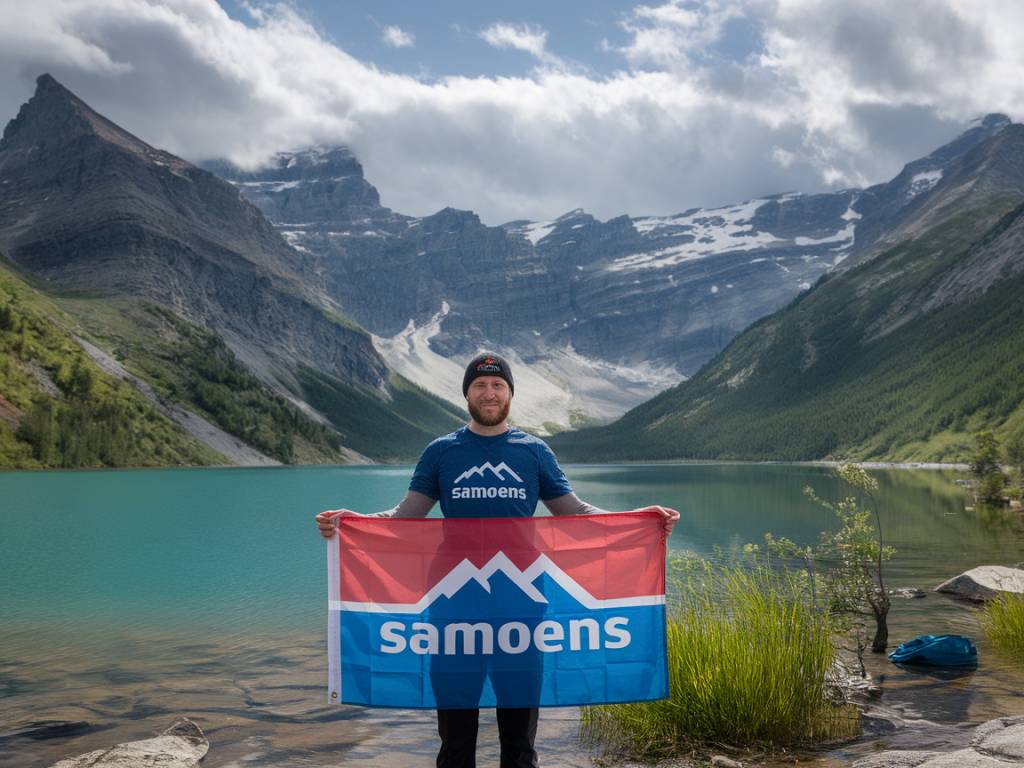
{"points": [[488, 365]]}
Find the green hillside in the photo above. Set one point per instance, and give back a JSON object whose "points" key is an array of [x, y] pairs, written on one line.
{"points": [[192, 366], [398, 429], [855, 368], [58, 409]]}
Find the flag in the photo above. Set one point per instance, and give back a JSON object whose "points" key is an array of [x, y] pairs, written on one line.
{"points": [[511, 612]]}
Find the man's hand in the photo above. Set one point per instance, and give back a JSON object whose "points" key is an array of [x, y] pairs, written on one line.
{"points": [[328, 520], [670, 515]]}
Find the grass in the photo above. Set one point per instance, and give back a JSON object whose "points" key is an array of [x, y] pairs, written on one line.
{"points": [[748, 665], [1003, 621]]}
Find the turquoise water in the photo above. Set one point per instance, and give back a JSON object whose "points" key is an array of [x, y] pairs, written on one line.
{"points": [[152, 592]]}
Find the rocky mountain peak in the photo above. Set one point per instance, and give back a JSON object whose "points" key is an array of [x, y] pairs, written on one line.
{"points": [[995, 121], [55, 117], [315, 164], [317, 184], [53, 111]]}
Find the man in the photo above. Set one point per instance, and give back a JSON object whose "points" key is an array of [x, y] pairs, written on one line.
{"points": [[486, 469]]}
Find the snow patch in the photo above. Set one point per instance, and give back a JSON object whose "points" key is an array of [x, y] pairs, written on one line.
{"points": [[268, 186], [844, 236], [922, 182], [537, 231], [548, 391], [715, 230], [293, 239]]}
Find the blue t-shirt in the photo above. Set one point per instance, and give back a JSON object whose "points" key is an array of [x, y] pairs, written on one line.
{"points": [[501, 476]]}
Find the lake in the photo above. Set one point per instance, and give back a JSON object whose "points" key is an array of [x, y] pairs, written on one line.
{"points": [[129, 597]]}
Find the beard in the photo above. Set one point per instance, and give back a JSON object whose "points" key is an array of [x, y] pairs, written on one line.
{"points": [[489, 421]]}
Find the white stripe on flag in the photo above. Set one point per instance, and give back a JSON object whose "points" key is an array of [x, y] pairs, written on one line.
{"points": [[333, 628]]}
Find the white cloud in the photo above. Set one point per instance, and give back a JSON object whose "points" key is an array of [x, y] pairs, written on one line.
{"points": [[521, 37], [668, 35], [783, 157], [396, 37], [833, 94]]}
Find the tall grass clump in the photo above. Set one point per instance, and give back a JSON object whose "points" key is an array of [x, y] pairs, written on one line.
{"points": [[1003, 620], [748, 662]]}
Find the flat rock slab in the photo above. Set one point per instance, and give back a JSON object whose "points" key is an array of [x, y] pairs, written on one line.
{"points": [[986, 582], [182, 745], [1002, 738], [998, 743]]}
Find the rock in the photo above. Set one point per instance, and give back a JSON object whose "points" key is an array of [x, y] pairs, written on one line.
{"points": [[846, 686], [1002, 738], [721, 761], [995, 744], [961, 758], [182, 745], [985, 582], [908, 592], [895, 759]]}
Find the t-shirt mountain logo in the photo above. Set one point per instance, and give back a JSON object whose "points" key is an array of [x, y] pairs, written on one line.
{"points": [[496, 472]]}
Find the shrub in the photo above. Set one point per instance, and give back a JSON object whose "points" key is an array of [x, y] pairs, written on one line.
{"points": [[748, 660]]}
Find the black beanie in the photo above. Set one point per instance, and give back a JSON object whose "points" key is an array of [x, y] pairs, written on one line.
{"points": [[487, 364]]}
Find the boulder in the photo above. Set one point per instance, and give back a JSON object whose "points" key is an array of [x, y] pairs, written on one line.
{"points": [[998, 743], [182, 745], [985, 582]]}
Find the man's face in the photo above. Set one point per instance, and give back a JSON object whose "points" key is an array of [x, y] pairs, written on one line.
{"points": [[489, 400]]}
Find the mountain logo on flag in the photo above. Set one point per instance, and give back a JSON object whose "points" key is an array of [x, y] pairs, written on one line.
{"points": [[465, 572], [497, 471]]}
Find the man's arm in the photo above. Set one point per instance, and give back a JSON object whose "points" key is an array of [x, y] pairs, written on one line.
{"points": [[414, 504], [571, 504]]}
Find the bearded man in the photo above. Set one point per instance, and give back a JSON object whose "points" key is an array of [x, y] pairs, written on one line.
{"points": [[486, 469]]}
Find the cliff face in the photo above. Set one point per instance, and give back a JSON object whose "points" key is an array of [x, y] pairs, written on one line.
{"points": [[86, 205]]}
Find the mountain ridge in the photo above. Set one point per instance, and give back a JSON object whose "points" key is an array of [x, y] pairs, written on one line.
{"points": [[86, 206], [903, 355], [605, 314]]}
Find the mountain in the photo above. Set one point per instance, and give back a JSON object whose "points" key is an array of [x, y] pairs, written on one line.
{"points": [[598, 315], [165, 265], [293, 331], [570, 300], [904, 352]]}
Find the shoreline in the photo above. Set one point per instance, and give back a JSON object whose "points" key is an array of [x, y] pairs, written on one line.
{"points": [[923, 465]]}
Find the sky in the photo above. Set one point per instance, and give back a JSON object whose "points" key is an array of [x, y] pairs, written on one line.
{"points": [[528, 110]]}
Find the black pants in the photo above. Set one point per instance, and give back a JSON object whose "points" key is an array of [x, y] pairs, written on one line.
{"points": [[517, 728]]}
